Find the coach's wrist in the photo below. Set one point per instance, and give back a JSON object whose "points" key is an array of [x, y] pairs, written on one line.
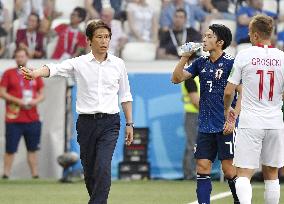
{"points": [[129, 124]]}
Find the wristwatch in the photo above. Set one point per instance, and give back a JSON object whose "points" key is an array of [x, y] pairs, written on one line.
{"points": [[129, 124]]}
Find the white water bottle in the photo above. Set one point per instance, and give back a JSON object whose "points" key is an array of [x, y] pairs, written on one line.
{"points": [[189, 47]]}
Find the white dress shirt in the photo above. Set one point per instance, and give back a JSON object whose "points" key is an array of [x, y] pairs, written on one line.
{"points": [[98, 84]]}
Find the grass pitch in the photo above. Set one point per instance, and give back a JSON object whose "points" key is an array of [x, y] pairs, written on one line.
{"points": [[122, 192]]}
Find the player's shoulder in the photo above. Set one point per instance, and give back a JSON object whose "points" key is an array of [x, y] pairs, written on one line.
{"points": [[278, 51], [244, 53], [229, 57], [202, 58]]}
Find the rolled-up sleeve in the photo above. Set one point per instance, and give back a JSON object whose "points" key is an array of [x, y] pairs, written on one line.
{"points": [[65, 68], [124, 87]]}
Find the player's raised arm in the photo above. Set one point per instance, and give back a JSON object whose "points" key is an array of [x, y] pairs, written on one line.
{"points": [[179, 74]]}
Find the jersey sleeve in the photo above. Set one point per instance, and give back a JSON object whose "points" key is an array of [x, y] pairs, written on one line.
{"points": [[242, 11], [193, 68], [5, 79], [236, 72], [60, 28]]}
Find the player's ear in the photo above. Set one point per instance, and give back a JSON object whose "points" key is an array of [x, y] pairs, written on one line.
{"points": [[221, 42], [256, 36]]}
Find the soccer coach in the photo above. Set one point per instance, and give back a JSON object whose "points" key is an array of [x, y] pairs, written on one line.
{"points": [[101, 79]]}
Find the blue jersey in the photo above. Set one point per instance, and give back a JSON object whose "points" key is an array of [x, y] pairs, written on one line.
{"points": [[213, 80]]}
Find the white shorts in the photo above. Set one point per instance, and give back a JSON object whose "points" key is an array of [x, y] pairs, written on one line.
{"points": [[254, 146]]}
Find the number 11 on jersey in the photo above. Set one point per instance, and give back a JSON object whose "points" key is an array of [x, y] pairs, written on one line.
{"points": [[261, 84]]}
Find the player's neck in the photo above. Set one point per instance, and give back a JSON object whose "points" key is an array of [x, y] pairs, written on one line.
{"points": [[215, 54], [263, 42]]}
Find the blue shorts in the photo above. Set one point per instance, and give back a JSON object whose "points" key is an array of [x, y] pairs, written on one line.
{"points": [[209, 144], [30, 131]]}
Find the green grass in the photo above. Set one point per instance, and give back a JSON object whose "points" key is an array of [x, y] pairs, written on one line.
{"points": [[122, 192]]}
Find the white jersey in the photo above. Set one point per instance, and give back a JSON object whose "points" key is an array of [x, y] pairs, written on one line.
{"points": [[261, 71]]}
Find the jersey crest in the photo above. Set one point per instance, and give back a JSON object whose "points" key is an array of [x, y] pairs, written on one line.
{"points": [[218, 73]]}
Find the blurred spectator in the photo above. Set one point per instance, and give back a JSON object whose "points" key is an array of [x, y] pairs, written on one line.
{"points": [[191, 96], [220, 7], [244, 16], [50, 14], [30, 38], [22, 97], [280, 39], [165, 3], [23, 8], [118, 37], [71, 41], [5, 27], [171, 40], [194, 14], [50, 11], [195, 2], [142, 21], [94, 7]]}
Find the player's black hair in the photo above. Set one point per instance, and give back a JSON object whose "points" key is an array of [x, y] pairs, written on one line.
{"points": [[223, 33]]}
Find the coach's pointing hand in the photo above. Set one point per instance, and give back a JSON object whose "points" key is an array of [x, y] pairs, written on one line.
{"points": [[28, 73]]}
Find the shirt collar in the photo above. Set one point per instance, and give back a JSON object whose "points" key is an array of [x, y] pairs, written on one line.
{"points": [[91, 57], [261, 45], [221, 56]]}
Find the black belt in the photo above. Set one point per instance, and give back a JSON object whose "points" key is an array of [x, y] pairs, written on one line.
{"points": [[98, 115]]}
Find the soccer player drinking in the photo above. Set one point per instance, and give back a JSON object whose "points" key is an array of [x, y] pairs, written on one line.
{"points": [[213, 72]]}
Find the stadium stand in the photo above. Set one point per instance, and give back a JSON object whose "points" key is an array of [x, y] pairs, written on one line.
{"points": [[66, 6], [229, 23], [242, 46], [132, 51], [270, 5]]}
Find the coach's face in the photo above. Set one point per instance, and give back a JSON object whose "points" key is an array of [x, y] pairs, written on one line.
{"points": [[209, 41], [100, 41]]}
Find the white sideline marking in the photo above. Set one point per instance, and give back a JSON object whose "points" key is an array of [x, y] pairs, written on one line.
{"points": [[223, 195], [216, 197]]}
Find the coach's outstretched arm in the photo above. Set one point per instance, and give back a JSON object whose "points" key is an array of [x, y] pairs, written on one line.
{"points": [[32, 74], [179, 73]]}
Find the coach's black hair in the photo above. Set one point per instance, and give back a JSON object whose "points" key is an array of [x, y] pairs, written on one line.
{"points": [[223, 33]]}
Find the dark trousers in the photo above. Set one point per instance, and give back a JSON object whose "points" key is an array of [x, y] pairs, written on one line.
{"points": [[97, 137], [191, 130]]}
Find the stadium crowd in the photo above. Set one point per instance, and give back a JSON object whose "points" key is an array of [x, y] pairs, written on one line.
{"points": [[47, 32]]}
